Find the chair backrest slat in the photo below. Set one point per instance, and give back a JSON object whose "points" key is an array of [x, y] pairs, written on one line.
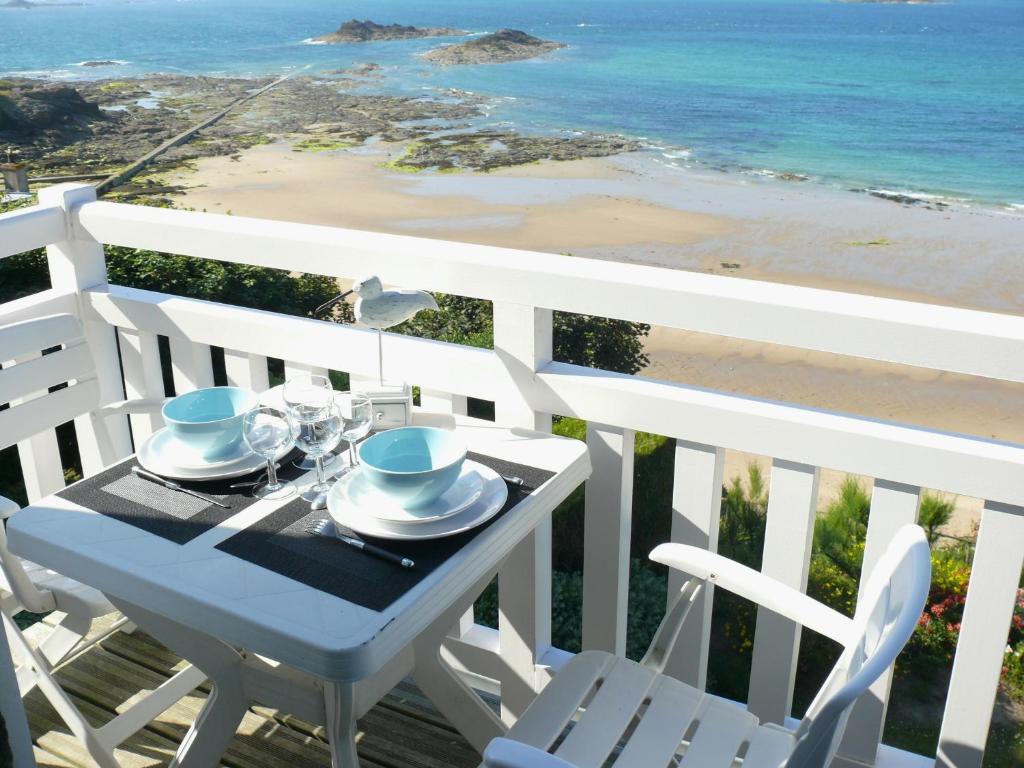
{"points": [[28, 375], [73, 363], [42, 413], [32, 336], [885, 618]]}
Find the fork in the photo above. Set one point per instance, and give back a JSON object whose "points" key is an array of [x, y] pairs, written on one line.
{"points": [[325, 527]]}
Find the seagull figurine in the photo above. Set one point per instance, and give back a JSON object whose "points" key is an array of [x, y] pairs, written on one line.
{"points": [[378, 309]]}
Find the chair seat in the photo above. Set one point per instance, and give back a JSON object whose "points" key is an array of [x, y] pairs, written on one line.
{"points": [[71, 596], [617, 703]]}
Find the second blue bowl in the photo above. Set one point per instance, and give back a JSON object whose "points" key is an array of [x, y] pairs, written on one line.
{"points": [[414, 465]]}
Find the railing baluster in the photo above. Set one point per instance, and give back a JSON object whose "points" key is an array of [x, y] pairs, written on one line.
{"points": [[300, 369], [41, 466], [991, 594], [696, 510], [190, 364], [787, 555], [893, 505], [523, 343], [77, 264], [442, 402], [606, 535], [140, 360], [246, 370]]}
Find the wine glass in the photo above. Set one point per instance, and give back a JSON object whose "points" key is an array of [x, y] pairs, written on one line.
{"points": [[267, 431], [317, 430], [357, 420], [309, 389]]}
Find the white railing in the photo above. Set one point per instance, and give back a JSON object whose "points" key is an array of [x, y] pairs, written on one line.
{"points": [[527, 387]]}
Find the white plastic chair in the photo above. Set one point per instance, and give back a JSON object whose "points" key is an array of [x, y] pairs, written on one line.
{"points": [[25, 381], [611, 702]]}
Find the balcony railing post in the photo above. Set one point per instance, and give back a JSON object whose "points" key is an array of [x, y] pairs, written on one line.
{"points": [[696, 511], [991, 595], [893, 505], [143, 377], [76, 264], [787, 555], [608, 517], [523, 339]]}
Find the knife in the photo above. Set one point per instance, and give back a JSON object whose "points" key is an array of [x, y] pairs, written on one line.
{"points": [[140, 472]]}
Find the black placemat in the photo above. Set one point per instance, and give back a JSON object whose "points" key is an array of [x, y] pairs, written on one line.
{"points": [[280, 543], [179, 517]]}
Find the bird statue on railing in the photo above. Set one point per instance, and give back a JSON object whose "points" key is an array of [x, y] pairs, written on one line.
{"points": [[378, 309]]}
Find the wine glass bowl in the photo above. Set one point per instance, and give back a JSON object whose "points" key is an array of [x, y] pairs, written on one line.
{"points": [[267, 432], [307, 390], [317, 429], [357, 421]]}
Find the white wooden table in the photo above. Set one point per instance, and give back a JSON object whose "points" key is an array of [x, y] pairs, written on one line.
{"points": [[260, 636]]}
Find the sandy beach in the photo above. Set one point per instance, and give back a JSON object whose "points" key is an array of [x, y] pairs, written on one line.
{"points": [[632, 208]]}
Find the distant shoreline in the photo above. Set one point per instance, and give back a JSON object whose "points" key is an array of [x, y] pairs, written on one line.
{"points": [[681, 156]]}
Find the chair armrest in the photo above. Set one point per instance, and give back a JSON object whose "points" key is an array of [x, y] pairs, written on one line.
{"points": [[506, 753], [139, 405], [754, 585], [7, 508]]}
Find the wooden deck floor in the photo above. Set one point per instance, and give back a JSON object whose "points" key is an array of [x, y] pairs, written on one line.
{"points": [[403, 731]]}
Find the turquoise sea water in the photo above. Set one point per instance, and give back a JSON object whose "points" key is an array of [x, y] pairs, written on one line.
{"points": [[920, 98]]}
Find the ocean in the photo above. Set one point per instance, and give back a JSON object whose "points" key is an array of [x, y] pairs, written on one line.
{"points": [[925, 99]]}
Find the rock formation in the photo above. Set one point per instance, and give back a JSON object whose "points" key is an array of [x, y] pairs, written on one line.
{"points": [[356, 31], [495, 48]]}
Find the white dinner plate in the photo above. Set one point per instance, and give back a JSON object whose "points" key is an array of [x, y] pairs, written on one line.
{"points": [[163, 454], [487, 505], [356, 490]]}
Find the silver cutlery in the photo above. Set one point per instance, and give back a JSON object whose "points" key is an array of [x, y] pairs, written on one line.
{"points": [[140, 472], [512, 479], [327, 528]]}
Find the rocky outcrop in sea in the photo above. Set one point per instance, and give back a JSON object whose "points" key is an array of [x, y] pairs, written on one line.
{"points": [[355, 31], [495, 48]]}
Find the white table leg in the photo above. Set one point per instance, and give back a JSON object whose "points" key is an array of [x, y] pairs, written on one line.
{"points": [[439, 682], [340, 707], [211, 733]]}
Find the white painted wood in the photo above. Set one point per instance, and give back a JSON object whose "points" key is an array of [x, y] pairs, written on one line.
{"points": [[944, 338], [37, 334], [28, 228], [36, 374], [608, 513], [41, 414], [696, 509], [246, 370], [893, 505], [523, 339], [143, 378], [995, 573], [191, 365], [959, 464], [475, 372], [442, 402], [299, 369], [77, 263], [35, 305], [792, 502]]}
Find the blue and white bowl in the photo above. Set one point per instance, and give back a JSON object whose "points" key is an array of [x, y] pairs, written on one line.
{"points": [[413, 465], [209, 421]]}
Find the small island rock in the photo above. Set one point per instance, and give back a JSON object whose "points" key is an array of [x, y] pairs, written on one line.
{"points": [[355, 31], [495, 48]]}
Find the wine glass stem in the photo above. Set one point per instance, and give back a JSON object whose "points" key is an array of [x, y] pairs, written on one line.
{"points": [[320, 478], [353, 458], [272, 481]]}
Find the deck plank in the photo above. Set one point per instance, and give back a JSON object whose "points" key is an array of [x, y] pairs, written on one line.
{"points": [[402, 732]]}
